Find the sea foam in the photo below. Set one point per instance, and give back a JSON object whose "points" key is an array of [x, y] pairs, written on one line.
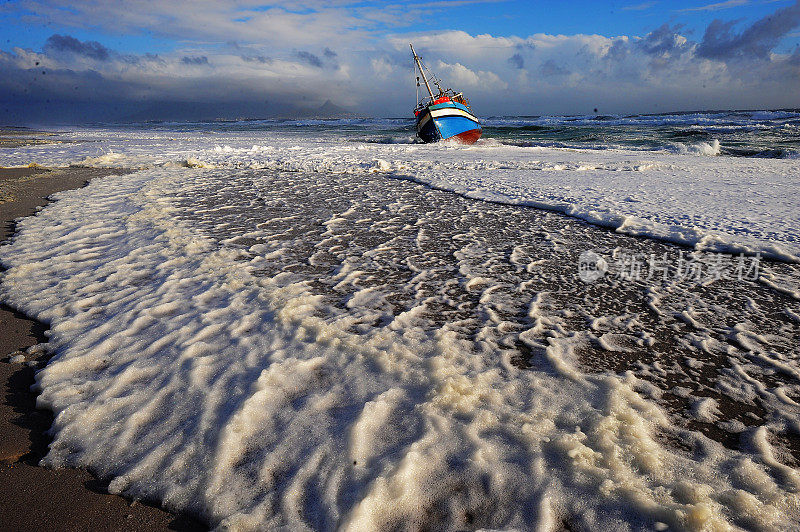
{"points": [[710, 203], [198, 365]]}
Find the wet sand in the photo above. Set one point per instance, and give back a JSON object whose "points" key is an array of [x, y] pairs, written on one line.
{"points": [[33, 497], [14, 137]]}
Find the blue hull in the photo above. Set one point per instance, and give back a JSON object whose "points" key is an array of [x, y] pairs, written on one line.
{"points": [[448, 120]]}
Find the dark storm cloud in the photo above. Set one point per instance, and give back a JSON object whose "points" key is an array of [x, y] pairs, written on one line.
{"points": [[197, 60], [257, 59], [28, 95], [65, 43], [309, 58], [56, 83], [153, 58], [795, 59], [517, 61], [141, 59], [551, 68], [757, 41], [664, 41], [618, 51], [330, 54]]}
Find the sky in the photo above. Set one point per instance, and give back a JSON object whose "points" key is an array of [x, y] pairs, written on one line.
{"points": [[89, 60]]}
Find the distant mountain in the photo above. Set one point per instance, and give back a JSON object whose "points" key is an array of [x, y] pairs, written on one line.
{"points": [[331, 110]]}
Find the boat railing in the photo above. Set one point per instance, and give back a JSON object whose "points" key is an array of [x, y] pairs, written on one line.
{"points": [[443, 96]]}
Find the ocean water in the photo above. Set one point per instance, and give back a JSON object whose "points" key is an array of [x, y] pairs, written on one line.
{"points": [[579, 322]]}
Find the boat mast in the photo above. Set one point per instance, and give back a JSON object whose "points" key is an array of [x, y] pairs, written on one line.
{"points": [[421, 71]]}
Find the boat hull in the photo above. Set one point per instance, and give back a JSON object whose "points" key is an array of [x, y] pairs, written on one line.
{"points": [[445, 121]]}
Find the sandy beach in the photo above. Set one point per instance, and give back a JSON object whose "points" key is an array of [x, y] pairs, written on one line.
{"points": [[33, 497]]}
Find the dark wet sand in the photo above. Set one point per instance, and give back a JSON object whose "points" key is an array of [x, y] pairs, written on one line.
{"points": [[13, 137], [33, 497]]}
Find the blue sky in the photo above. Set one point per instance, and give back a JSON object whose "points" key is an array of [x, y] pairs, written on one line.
{"points": [[509, 56], [501, 18]]}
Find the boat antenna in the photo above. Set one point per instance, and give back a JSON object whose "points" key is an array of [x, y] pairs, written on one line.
{"points": [[421, 71]]}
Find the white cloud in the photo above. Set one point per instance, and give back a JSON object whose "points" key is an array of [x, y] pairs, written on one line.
{"points": [[460, 77], [279, 54], [640, 7], [302, 24], [718, 6]]}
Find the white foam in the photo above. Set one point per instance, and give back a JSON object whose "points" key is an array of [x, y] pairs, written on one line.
{"points": [[716, 203], [188, 372]]}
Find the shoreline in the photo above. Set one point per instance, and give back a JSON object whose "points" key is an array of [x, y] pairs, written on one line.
{"points": [[34, 497], [17, 136]]}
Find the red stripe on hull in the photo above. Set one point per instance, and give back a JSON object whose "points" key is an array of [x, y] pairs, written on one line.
{"points": [[467, 137]]}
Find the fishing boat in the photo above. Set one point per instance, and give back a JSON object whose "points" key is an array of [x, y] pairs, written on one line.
{"points": [[444, 116]]}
